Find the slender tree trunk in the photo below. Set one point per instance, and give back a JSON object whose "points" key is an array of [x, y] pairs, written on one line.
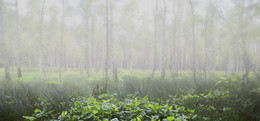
{"points": [[17, 43], [87, 47], [155, 39], [3, 43], [193, 42], [41, 65], [112, 43], [107, 48], [61, 41], [164, 43]]}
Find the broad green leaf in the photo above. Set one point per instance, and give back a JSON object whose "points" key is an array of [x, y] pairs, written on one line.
{"points": [[77, 103], [37, 111], [138, 119], [63, 114], [170, 118], [190, 110], [95, 111]]}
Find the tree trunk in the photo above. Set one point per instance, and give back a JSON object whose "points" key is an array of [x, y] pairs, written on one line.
{"points": [[87, 47], [3, 43], [107, 48], [112, 43], [41, 65], [164, 43], [61, 41], [17, 43], [155, 40], [193, 43]]}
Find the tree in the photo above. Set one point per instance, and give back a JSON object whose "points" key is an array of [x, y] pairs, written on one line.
{"points": [[164, 43], [209, 25], [193, 42], [243, 7], [107, 47], [155, 39], [112, 43], [61, 41], [3, 43], [17, 42], [41, 65]]}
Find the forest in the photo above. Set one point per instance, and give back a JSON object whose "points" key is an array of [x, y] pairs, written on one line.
{"points": [[129, 60]]}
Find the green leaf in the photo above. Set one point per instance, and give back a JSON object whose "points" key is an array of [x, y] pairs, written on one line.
{"points": [[37, 111], [209, 95], [88, 116], [170, 118], [114, 119], [190, 110], [63, 114], [95, 111], [218, 82], [41, 99], [146, 98], [138, 119], [77, 103], [29, 118], [116, 109], [223, 78], [227, 109]]}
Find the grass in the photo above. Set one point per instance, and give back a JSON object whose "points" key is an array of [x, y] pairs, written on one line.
{"points": [[20, 97]]}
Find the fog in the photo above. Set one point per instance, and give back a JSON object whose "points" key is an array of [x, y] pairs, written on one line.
{"points": [[135, 29], [103, 42]]}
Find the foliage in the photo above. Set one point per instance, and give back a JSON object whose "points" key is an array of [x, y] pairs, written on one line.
{"points": [[211, 98], [107, 107]]}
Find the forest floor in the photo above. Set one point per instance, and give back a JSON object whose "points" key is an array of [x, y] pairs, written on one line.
{"points": [[134, 96]]}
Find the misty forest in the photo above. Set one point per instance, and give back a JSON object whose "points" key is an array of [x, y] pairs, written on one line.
{"points": [[130, 60]]}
